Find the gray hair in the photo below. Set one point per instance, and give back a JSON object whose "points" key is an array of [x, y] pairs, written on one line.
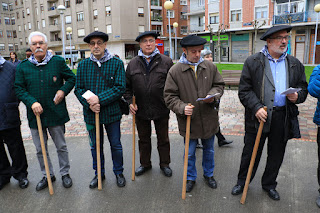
{"points": [[205, 52], [37, 33]]}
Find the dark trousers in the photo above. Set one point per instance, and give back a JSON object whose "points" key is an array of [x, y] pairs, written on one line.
{"points": [[18, 169], [276, 149], [318, 142], [144, 133]]}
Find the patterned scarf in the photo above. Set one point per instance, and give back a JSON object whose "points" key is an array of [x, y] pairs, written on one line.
{"points": [[155, 52], [184, 60], [2, 60], [47, 58], [104, 58], [267, 54]]}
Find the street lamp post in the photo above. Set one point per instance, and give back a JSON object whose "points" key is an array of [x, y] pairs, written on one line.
{"points": [[62, 8], [175, 25], [69, 31], [317, 10], [168, 5]]}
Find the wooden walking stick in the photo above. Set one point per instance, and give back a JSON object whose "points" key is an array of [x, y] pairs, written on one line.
{"points": [[186, 152], [133, 140], [253, 159], [44, 153], [98, 151]]}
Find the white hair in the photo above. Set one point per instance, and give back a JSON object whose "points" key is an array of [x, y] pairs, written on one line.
{"points": [[205, 52], [37, 33]]}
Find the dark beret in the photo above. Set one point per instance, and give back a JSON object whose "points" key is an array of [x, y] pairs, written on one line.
{"points": [[28, 50], [275, 29], [99, 34], [192, 40], [147, 33]]}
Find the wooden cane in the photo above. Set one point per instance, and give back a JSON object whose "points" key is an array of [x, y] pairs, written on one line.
{"points": [[98, 150], [186, 152], [253, 159], [133, 141], [44, 153]]}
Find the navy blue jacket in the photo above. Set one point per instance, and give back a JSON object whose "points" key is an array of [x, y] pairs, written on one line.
{"points": [[9, 111], [314, 90]]}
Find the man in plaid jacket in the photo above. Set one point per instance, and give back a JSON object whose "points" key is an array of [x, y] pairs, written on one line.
{"points": [[42, 82], [103, 75]]}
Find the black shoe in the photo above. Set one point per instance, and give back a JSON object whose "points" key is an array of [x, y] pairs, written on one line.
{"points": [[224, 142], [199, 146], [190, 185], [23, 182], [142, 170], [3, 182], [237, 189], [66, 181], [318, 201], [166, 171], [121, 181], [273, 194], [44, 183], [210, 181], [94, 182]]}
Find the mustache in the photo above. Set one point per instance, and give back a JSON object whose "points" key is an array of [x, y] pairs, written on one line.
{"points": [[38, 50]]}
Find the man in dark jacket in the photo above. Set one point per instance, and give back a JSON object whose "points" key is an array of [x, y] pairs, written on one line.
{"points": [[10, 130], [265, 76], [145, 78]]}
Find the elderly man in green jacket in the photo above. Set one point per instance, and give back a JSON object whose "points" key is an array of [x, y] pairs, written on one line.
{"points": [[42, 82]]}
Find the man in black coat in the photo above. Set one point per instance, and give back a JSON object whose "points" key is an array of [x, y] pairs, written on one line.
{"points": [[264, 77], [145, 78], [10, 133]]}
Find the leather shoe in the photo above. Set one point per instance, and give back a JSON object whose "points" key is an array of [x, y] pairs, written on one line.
{"points": [[142, 170], [94, 182], [121, 181], [23, 182], [224, 142], [190, 185], [237, 189], [210, 181], [318, 201], [166, 171], [66, 181], [44, 183], [3, 182], [273, 194]]}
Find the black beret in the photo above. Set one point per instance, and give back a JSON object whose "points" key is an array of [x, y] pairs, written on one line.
{"points": [[147, 33], [275, 29], [28, 50], [99, 34], [192, 40]]}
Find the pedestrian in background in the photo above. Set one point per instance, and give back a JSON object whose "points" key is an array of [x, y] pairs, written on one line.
{"points": [[14, 59]]}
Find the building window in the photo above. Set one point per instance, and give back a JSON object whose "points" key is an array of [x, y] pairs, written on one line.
{"points": [[2, 47], [68, 19], [21, 41], [214, 18], [108, 11], [16, 47], [155, 3], [27, 41], [1, 34], [80, 16], [28, 11], [140, 12], [11, 7], [16, 2], [13, 21], [170, 13], [78, 1], [19, 28], [21, 1], [235, 15], [183, 16], [29, 25], [109, 28], [37, 11], [9, 34], [295, 7], [25, 27], [14, 33], [81, 33], [261, 12], [96, 29], [168, 28], [38, 25], [156, 15], [10, 47], [5, 7], [7, 20], [41, 8], [23, 16], [18, 15], [141, 28], [95, 14], [43, 23], [183, 2], [201, 2], [67, 3]]}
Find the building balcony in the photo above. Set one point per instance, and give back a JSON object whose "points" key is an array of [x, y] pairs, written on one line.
{"points": [[194, 10], [54, 27], [156, 22], [156, 7], [53, 12], [291, 18]]}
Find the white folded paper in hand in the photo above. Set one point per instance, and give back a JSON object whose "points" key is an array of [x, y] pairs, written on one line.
{"points": [[88, 94], [290, 91], [202, 99], [54, 99]]}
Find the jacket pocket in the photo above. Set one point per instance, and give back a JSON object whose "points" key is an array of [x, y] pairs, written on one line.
{"points": [[12, 113]]}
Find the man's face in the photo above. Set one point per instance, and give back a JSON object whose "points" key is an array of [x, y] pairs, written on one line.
{"points": [[28, 54], [97, 46], [278, 42], [38, 47], [193, 53], [208, 57], [147, 44]]}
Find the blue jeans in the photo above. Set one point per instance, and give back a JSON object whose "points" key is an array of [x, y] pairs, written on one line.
{"points": [[113, 133], [207, 158]]}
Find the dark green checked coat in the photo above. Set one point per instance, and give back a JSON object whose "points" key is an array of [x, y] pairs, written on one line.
{"points": [[40, 84], [109, 92]]}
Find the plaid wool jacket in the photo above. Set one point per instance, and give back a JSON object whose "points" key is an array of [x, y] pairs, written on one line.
{"points": [[109, 93], [40, 84]]}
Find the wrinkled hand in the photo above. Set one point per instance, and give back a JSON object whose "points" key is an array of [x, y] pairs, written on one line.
{"points": [[210, 100], [133, 109], [188, 110], [93, 100], [293, 97], [95, 108], [261, 115], [37, 108], [59, 97]]}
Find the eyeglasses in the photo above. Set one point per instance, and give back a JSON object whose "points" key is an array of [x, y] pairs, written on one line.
{"points": [[36, 43], [280, 38], [151, 41], [99, 43]]}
